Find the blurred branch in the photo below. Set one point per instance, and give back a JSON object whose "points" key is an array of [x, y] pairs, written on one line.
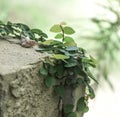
{"points": [[108, 40]]}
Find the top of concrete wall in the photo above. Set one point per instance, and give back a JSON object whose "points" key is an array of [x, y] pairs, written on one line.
{"points": [[13, 57]]}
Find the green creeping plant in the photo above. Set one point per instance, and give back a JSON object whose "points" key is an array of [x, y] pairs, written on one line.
{"points": [[65, 65], [65, 62], [15, 30]]}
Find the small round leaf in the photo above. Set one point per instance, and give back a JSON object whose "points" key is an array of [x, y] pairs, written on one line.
{"points": [[68, 108], [60, 56], [73, 114], [68, 30], [68, 39], [43, 71], [55, 28], [50, 81], [60, 91], [59, 36]]}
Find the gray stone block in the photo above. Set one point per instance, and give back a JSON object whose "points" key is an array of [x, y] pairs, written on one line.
{"points": [[22, 91]]}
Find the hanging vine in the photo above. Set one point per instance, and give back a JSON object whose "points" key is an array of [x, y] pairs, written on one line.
{"points": [[65, 65]]}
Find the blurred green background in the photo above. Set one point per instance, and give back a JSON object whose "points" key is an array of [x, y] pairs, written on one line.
{"points": [[97, 25], [44, 13]]}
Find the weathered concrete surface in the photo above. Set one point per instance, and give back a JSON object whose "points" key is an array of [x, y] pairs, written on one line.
{"points": [[22, 92], [72, 96], [13, 57]]}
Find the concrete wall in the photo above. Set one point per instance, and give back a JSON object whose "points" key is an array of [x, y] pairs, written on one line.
{"points": [[23, 94], [22, 91]]}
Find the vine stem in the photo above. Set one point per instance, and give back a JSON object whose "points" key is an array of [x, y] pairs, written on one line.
{"points": [[62, 33]]}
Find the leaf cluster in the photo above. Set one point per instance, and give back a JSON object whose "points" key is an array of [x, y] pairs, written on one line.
{"points": [[107, 38], [15, 30], [67, 65]]}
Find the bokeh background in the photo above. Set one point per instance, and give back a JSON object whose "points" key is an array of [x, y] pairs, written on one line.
{"points": [[97, 24]]}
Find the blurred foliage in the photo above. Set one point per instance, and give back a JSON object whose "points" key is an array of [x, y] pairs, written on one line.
{"points": [[16, 30], [4, 9], [35, 13], [104, 37], [24, 11], [107, 39]]}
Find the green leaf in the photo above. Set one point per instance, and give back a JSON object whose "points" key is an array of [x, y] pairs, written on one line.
{"points": [[9, 23], [81, 105], [68, 39], [85, 60], [73, 114], [52, 69], [70, 44], [86, 109], [64, 52], [50, 42], [79, 81], [68, 30], [91, 92], [60, 56], [37, 31], [71, 63], [60, 70], [69, 53], [72, 48], [44, 35], [47, 42], [60, 90], [42, 49], [22, 26], [56, 42], [50, 81], [81, 50], [59, 36], [90, 75], [55, 28], [8, 29], [91, 61], [68, 108], [2, 30], [29, 34], [43, 71]]}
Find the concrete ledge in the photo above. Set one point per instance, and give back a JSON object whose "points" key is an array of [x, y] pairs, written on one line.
{"points": [[13, 57], [22, 92]]}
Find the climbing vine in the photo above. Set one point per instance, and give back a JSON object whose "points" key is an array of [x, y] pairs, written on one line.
{"points": [[15, 30], [66, 65]]}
